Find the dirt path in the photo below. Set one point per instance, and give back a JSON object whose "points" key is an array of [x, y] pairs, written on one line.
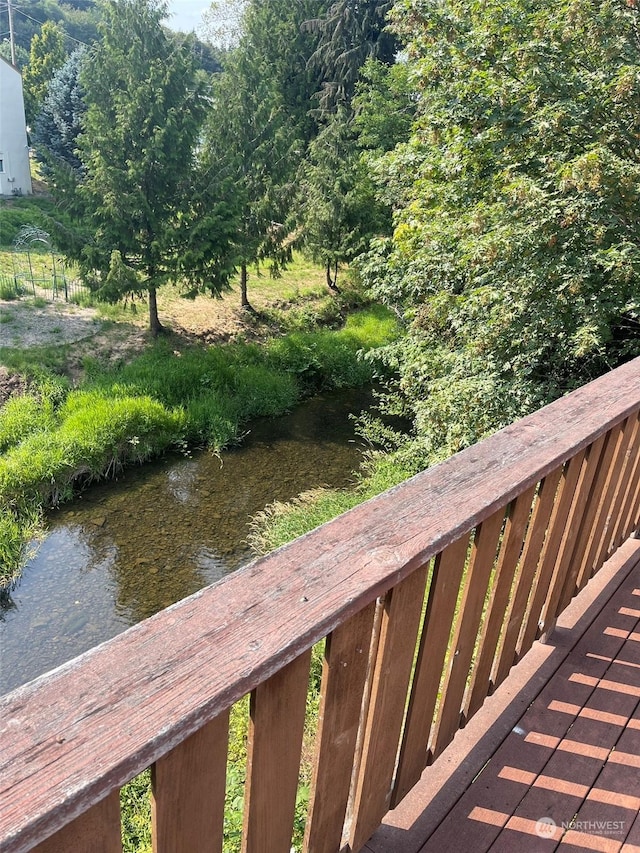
{"points": [[24, 325]]}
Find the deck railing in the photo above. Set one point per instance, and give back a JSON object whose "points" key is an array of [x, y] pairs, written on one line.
{"points": [[427, 596]]}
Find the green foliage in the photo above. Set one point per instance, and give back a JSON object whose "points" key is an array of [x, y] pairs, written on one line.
{"points": [[384, 105], [135, 807], [22, 55], [515, 258], [145, 101], [8, 291], [12, 219], [30, 210], [77, 19], [52, 359], [47, 54], [324, 359], [280, 522], [336, 204], [349, 32], [279, 43], [15, 534], [245, 158], [21, 416], [59, 121], [93, 437]]}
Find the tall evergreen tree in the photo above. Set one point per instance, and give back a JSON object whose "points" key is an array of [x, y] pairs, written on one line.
{"points": [[349, 32], [336, 203], [244, 160], [59, 122], [145, 106], [258, 127]]}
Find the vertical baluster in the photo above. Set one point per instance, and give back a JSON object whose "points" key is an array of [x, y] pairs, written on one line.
{"points": [[343, 682], [588, 488], [483, 556], [534, 543], [97, 830], [557, 527], [625, 525], [434, 641], [275, 743], [583, 537], [598, 539], [624, 480], [390, 684], [188, 786], [517, 520]]}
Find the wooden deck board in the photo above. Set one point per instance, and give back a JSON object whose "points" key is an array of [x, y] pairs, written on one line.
{"points": [[573, 756]]}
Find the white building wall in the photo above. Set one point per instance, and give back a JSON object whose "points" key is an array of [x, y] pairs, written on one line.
{"points": [[15, 175]]}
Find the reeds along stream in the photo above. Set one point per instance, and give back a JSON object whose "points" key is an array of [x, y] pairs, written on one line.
{"points": [[127, 549]]}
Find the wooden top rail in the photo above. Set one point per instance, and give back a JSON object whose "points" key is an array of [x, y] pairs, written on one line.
{"points": [[74, 735]]}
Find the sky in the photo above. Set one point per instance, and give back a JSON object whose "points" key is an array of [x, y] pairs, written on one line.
{"points": [[186, 15]]}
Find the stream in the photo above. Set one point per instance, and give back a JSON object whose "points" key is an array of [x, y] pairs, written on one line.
{"points": [[130, 547]]}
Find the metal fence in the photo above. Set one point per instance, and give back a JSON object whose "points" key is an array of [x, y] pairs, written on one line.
{"points": [[37, 270]]}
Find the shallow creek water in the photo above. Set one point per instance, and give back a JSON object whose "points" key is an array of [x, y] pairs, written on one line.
{"points": [[128, 548]]}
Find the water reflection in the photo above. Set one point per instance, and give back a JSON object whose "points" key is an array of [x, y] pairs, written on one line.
{"points": [[127, 549]]}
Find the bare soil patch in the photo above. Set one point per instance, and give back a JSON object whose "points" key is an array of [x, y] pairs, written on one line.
{"points": [[25, 323]]}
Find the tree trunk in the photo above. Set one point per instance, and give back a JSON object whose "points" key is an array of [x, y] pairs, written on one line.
{"points": [[332, 279], [154, 321], [244, 298]]}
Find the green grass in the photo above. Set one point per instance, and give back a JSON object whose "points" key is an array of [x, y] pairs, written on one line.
{"points": [[50, 360], [9, 289], [15, 213]]}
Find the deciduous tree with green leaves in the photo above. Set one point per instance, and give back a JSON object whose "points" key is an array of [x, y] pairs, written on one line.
{"points": [[516, 251]]}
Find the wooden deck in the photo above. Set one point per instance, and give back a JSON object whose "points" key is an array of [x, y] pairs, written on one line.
{"points": [[565, 774]]}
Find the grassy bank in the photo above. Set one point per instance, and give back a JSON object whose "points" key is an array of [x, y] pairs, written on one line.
{"points": [[56, 439]]}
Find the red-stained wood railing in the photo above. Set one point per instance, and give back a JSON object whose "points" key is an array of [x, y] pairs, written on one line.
{"points": [[426, 595]]}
